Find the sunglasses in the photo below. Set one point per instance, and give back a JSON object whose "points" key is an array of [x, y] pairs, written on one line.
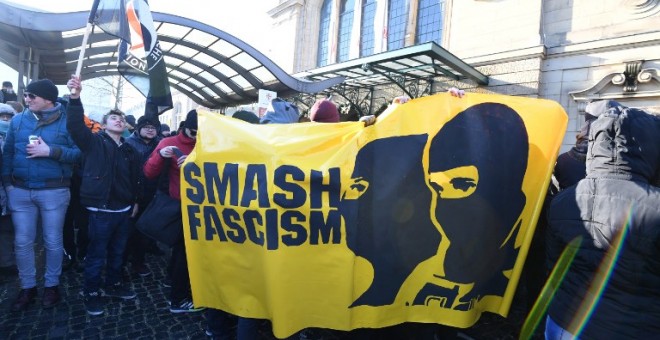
{"points": [[30, 95]]}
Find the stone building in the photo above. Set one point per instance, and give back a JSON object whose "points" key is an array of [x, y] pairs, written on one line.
{"points": [[570, 51]]}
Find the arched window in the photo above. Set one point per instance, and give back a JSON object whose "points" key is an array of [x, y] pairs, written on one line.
{"points": [[367, 28], [429, 21], [345, 28], [396, 24], [324, 33]]}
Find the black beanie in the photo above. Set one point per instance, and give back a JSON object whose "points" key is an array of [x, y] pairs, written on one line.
{"points": [[43, 88], [191, 120], [147, 120], [246, 116]]}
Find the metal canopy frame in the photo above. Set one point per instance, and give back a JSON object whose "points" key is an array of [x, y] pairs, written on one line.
{"points": [[413, 69], [210, 66]]}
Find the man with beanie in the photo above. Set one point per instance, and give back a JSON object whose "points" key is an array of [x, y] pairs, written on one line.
{"points": [[109, 190], [144, 139], [36, 173], [280, 112], [7, 257], [324, 111], [170, 153], [164, 130], [8, 94], [219, 323]]}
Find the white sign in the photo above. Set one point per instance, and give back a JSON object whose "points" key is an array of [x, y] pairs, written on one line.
{"points": [[265, 97]]}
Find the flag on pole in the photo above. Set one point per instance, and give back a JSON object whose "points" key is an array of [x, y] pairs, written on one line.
{"points": [[140, 58]]}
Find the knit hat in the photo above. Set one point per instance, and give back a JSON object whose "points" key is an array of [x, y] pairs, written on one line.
{"points": [[6, 109], [246, 116], [164, 127], [147, 120], [7, 84], [324, 111], [130, 119], [280, 112], [191, 120], [43, 88]]}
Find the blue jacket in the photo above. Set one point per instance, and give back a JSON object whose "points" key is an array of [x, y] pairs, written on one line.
{"points": [[40, 172]]}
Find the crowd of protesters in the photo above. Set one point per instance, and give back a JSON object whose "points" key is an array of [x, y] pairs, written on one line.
{"points": [[62, 172]]}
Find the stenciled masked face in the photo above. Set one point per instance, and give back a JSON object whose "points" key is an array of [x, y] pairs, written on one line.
{"points": [[477, 163], [385, 211]]}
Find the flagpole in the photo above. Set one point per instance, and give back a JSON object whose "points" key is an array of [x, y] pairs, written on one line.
{"points": [[83, 47]]}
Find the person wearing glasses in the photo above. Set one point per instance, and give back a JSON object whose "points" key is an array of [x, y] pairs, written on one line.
{"points": [[38, 158], [170, 153], [144, 139]]}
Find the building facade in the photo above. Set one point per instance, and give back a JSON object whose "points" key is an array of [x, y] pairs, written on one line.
{"points": [[570, 51]]}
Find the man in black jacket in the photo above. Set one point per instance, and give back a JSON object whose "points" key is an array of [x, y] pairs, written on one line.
{"points": [[612, 287], [144, 140], [109, 190]]}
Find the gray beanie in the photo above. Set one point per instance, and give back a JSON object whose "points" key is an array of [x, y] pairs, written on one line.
{"points": [[6, 109]]}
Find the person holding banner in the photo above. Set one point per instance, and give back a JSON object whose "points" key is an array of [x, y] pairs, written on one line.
{"points": [[171, 152], [109, 190], [219, 323]]}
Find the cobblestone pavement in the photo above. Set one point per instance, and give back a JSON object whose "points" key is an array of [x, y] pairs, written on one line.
{"points": [[148, 316]]}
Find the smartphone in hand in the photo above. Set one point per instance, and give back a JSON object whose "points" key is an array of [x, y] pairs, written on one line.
{"points": [[177, 152]]}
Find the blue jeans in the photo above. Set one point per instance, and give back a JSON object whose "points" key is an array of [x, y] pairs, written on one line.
{"points": [[26, 207], [220, 325], [108, 233], [555, 332]]}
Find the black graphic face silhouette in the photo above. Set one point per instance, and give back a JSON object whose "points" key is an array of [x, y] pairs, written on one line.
{"points": [[386, 213], [477, 163]]}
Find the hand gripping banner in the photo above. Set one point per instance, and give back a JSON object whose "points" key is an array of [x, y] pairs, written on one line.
{"points": [[425, 216]]}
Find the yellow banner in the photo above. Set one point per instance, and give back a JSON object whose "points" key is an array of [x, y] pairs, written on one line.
{"points": [[425, 216]]}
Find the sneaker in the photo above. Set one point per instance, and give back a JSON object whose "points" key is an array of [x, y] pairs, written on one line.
{"points": [[93, 303], [25, 298], [141, 269], [118, 290], [51, 297], [185, 306]]}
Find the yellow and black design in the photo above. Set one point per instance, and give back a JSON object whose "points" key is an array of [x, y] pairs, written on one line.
{"points": [[424, 217]]}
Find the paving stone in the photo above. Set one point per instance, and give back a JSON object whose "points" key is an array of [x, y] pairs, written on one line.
{"points": [[148, 317]]}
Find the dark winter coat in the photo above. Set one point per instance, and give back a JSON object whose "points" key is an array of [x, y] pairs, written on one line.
{"points": [[110, 173], [614, 202], [144, 150]]}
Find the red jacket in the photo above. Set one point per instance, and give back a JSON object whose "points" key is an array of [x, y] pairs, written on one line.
{"points": [[155, 163]]}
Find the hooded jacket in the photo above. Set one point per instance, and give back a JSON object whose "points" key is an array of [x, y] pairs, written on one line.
{"points": [[571, 165], [615, 204]]}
